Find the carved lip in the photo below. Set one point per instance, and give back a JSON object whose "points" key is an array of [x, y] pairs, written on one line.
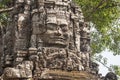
{"points": [[58, 38]]}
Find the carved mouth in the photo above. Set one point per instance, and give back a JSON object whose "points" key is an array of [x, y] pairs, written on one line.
{"points": [[58, 38]]}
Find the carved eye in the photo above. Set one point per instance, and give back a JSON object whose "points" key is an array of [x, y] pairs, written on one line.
{"points": [[51, 26], [64, 28]]}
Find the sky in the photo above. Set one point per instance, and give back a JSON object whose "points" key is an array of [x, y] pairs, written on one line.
{"points": [[114, 60]]}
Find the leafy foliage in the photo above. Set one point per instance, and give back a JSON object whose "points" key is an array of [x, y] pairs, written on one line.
{"points": [[116, 69], [3, 3], [104, 16], [3, 16]]}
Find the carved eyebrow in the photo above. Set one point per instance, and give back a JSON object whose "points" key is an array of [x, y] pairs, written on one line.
{"points": [[52, 23], [62, 24]]}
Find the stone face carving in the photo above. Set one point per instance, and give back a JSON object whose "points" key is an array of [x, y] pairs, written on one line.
{"points": [[111, 76], [48, 34]]}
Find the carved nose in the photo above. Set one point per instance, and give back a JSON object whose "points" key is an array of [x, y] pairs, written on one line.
{"points": [[58, 32]]}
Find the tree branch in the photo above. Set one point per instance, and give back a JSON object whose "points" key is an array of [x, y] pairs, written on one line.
{"points": [[111, 6], [100, 3], [6, 10], [103, 64], [96, 8]]}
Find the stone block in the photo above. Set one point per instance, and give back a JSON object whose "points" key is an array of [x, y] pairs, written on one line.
{"points": [[21, 53], [32, 51]]}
